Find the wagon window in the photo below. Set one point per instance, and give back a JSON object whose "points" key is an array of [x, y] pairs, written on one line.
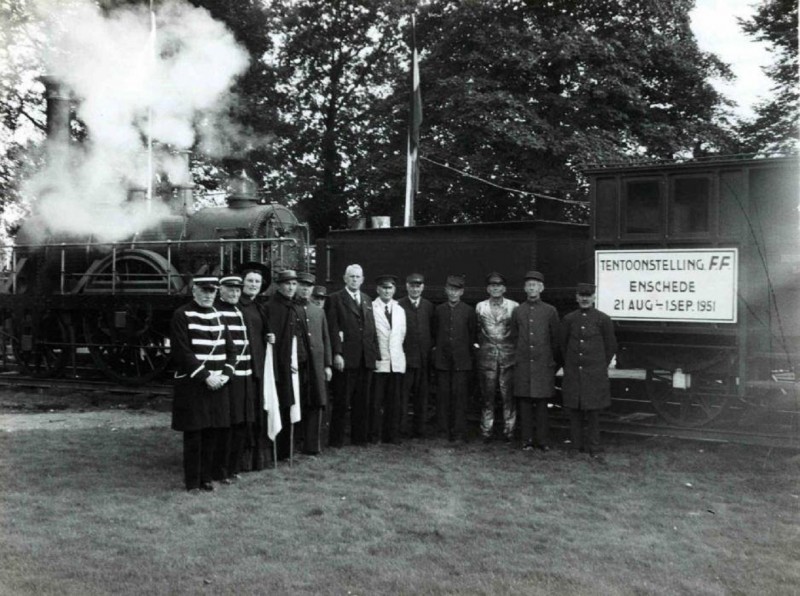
{"points": [[643, 207], [689, 207]]}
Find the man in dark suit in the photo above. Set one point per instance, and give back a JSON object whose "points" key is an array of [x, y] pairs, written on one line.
{"points": [[355, 351], [417, 346], [455, 332]]}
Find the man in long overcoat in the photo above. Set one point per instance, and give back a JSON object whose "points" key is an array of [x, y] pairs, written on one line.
{"points": [[315, 400], [589, 345], [417, 347], [455, 333], [204, 358], [355, 351], [495, 360], [534, 328]]}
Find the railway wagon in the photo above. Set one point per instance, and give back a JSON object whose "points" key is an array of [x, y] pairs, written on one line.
{"points": [[698, 264], [559, 250]]}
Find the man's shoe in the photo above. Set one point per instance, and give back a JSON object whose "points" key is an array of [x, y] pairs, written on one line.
{"points": [[543, 447], [528, 447], [226, 481], [207, 486]]}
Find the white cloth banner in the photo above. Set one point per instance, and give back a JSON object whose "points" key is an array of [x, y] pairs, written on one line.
{"points": [[294, 412], [271, 397]]}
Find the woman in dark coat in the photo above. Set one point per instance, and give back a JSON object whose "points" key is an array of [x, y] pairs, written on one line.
{"points": [[588, 345]]}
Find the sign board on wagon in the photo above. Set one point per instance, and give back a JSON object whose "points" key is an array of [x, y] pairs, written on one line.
{"points": [[678, 285]]}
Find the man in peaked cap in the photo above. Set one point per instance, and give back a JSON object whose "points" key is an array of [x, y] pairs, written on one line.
{"points": [[534, 328], [417, 347], [495, 359], [204, 357], [455, 329], [588, 344], [318, 296], [318, 372]]}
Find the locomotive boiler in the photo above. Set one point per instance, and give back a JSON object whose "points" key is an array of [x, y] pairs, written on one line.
{"points": [[65, 297]]}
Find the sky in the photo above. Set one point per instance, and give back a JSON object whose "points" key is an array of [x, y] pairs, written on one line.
{"points": [[715, 26]]}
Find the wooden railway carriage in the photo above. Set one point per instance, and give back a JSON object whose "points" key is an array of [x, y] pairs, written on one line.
{"points": [[704, 334]]}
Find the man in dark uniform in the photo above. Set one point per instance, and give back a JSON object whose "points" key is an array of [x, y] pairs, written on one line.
{"points": [[204, 359], [318, 296], [534, 330], [355, 352], [291, 354], [417, 346], [242, 388], [588, 345], [455, 332], [318, 371]]}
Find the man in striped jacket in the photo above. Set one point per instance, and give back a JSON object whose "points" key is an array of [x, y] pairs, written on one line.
{"points": [[242, 388], [204, 359]]}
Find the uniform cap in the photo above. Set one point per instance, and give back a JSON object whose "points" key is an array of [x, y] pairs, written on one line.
{"points": [[231, 281], [386, 279], [495, 278], [534, 275], [306, 278], [415, 278], [286, 275], [208, 282], [586, 289], [456, 281], [319, 292]]}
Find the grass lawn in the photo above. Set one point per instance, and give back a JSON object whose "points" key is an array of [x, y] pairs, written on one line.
{"points": [[102, 511]]}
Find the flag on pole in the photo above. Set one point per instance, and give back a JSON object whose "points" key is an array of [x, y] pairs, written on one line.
{"points": [[294, 410], [271, 397], [414, 120]]}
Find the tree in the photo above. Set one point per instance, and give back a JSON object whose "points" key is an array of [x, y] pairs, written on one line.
{"points": [[776, 126], [521, 93]]}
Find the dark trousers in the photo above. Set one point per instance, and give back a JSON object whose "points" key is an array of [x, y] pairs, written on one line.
{"points": [[592, 432], [222, 450], [239, 434], [311, 424], [451, 402], [533, 412], [283, 442], [386, 400], [257, 447], [351, 389], [198, 456], [415, 391]]}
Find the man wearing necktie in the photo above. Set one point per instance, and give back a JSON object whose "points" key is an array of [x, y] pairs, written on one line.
{"points": [[355, 351], [390, 324], [417, 347]]}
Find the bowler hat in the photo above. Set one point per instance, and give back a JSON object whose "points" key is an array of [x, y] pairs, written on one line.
{"points": [[286, 275], [495, 278], [385, 280], [534, 275], [319, 292], [456, 281], [585, 289], [415, 278], [231, 281], [305, 278], [208, 282]]}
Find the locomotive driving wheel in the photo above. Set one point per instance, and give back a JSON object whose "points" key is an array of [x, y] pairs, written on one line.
{"points": [[701, 402], [129, 344], [40, 343]]}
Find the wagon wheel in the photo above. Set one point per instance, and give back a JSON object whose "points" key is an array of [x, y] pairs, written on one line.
{"points": [[40, 344], [701, 403], [128, 344]]}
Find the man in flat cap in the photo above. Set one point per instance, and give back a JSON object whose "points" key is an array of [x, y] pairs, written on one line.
{"points": [[319, 370], [204, 359], [355, 351], [534, 328], [417, 347], [588, 344], [291, 353], [455, 331], [495, 360], [387, 382]]}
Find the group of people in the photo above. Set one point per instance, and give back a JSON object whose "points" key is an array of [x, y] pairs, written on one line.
{"points": [[251, 370]]}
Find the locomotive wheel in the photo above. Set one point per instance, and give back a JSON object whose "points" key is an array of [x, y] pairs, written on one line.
{"points": [[129, 345], [40, 345], [703, 402]]}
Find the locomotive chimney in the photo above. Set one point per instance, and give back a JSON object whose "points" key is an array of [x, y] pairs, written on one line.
{"points": [[58, 110], [183, 198], [242, 191]]}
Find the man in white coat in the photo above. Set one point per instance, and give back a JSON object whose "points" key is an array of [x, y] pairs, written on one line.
{"points": [[390, 325]]}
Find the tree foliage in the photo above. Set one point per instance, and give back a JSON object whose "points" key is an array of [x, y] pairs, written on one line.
{"points": [[776, 126]]}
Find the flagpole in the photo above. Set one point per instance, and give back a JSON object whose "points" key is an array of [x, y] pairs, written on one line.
{"points": [[414, 120], [150, 112]]}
